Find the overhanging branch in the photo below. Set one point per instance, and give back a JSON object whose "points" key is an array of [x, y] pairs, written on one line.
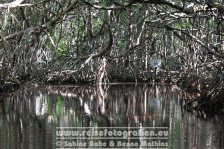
{"points": [[42, 27], [210, 47], [14, 4]]}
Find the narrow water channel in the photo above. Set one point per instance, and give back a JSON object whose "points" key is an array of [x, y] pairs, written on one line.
{"points": [[50, 117]]}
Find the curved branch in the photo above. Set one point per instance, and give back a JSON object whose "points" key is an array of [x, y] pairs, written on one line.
{"points": [[106, 50], [103, 7], [43, 27], [14, 4]]}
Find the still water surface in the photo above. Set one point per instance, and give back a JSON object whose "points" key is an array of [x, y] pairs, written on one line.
{"points": [[35, 116]]}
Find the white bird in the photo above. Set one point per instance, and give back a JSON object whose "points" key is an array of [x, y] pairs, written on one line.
{"points": [[87, 109], [156, 63]]}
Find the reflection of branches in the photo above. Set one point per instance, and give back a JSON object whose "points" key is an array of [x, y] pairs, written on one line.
{"points": [[102, 91], [103, 105]]}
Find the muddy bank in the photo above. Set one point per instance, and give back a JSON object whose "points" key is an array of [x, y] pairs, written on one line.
{"points": [[112, 76]]}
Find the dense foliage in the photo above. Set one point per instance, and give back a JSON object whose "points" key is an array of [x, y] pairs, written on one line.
{"points": [[88, 41]]}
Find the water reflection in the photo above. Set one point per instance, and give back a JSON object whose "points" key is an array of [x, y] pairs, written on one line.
{"points": [[30, 118]]}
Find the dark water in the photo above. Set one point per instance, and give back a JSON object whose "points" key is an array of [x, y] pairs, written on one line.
{"points": [[36, 117]]}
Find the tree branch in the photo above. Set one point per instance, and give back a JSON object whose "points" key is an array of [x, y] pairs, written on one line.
{"points": [[42, 27], [14, 4], [211, 48]]}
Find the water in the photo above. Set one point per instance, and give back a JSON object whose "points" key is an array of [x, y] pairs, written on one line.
{"points": [[34, 117]]}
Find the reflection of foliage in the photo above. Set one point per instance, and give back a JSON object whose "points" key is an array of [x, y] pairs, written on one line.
{"points": [[175, 134], [126, 108], [77, 35], [59, 105]]}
